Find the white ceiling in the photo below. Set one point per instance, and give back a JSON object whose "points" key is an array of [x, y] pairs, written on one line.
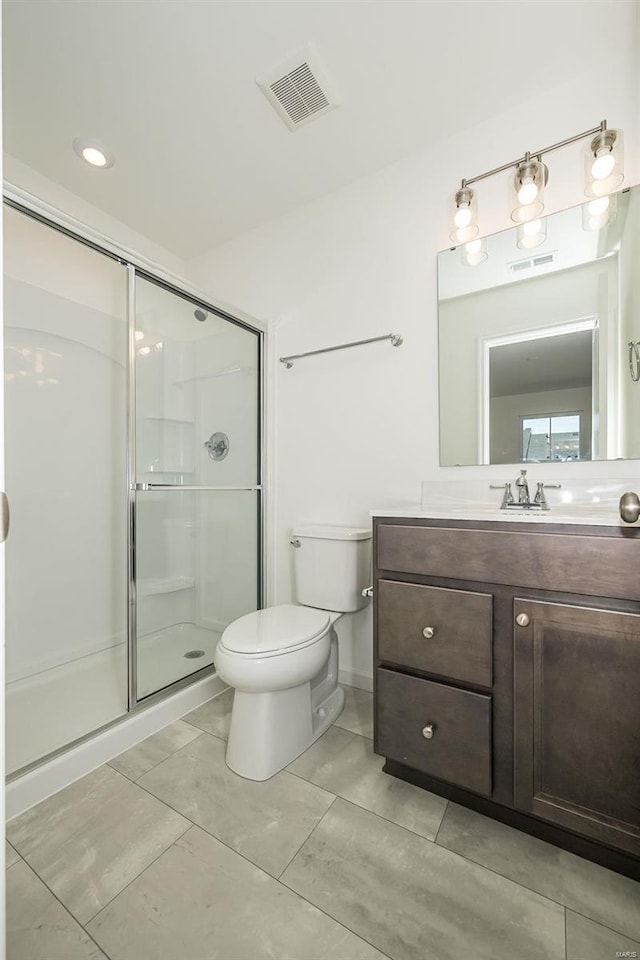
{"points": [[201, 157], [535, 366]]}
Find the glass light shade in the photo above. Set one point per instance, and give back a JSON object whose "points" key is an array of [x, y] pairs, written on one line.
{"points": [[464, 226], [527, 189], [597, 213], [531, 234], [604, 166], [474, 252]]}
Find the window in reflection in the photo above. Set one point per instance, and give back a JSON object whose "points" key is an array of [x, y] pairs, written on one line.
{"points": [[553, 437]]}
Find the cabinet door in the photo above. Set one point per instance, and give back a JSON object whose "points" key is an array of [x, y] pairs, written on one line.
{"points": [[577, 719]]}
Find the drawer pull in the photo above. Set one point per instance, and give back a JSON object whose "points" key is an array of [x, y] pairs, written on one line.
{"points": [[428, 632], [428, 731], [523, 620]]}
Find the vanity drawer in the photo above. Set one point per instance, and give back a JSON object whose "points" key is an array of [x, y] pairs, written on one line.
{"points": [[607, 567], [460, 646], [459, 749]]}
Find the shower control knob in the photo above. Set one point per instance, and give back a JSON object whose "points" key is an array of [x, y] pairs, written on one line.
{"points": [[428, 632], [428, 731], [523, 620]]}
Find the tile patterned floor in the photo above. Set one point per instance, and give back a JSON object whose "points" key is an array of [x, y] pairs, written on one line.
{"points": [[164, 854]]}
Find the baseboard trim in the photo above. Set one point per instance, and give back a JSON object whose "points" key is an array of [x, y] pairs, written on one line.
{"points": [[359, 680]]}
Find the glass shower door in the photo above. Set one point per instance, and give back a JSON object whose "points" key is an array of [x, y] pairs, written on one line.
{"points": [[65, 308], [197, 490]]}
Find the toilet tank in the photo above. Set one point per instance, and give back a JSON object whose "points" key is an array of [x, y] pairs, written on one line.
{"points": [[332, 566]]}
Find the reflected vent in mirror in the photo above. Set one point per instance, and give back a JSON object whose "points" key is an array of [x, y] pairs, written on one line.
{"points": [[532, 262]]}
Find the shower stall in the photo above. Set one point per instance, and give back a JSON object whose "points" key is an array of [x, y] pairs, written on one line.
{"points": [[133, 466]]}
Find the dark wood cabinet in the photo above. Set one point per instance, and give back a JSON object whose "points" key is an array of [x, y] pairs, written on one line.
{"points": [[508, 674], [577, 719], [439, 729], [428, 628]]}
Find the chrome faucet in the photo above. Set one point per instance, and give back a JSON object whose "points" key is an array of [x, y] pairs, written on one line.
{"points": [[523, 489], [523, 500]]}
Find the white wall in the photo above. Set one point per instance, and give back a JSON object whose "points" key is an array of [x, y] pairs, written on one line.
{"points": [[359, 429], [26, 178]]}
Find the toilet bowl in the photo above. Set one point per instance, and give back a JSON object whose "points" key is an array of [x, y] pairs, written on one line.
{"points": [[283, 664], [283, 660]]}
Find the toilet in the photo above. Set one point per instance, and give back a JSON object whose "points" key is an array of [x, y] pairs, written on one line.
{"points": [[283, 661]]}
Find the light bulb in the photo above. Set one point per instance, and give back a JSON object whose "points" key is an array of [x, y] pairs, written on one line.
{"points": [[532, 228], [528, 191], [94, 156], [603, 164], [596, 207], [94, 152], [531, 234], [474, 252], [463, 216]]}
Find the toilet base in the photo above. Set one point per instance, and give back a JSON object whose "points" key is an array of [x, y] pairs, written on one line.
{"points": [[269, 730]]}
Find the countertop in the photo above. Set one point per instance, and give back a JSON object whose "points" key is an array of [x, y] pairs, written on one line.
{"points": [[587, 502]]}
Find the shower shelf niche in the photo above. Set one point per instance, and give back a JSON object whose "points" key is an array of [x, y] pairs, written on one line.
{"points": [[153, 586]]}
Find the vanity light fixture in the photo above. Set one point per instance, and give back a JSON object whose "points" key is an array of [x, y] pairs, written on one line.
{"points": [[465, 217], [528, 185], [604, 172], [94, 152], [531, 234], [597, 213], [603, 163], [474, 252]]}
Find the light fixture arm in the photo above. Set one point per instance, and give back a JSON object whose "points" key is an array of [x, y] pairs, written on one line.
{"points": [[602, 126]]}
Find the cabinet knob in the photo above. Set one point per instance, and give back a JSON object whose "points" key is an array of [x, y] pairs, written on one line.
{"points": [[428, 731], [428, 632], [629, 507], [523, 620]]}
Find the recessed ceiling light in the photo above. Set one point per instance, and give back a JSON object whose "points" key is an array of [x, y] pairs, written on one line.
{"points": [[93, 152]]}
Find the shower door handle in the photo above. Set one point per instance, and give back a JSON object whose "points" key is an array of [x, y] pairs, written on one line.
{"points": [[164, 487], [4, 517]]}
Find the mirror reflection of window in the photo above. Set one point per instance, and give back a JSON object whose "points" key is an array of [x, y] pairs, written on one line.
{"points": [[555, 437], [546, 383]]}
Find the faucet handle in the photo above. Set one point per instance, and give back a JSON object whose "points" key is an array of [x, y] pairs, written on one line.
{"points": [[507, 496]]}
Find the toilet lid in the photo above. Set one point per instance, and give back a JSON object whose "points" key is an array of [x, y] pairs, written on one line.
{"points": [[275, 629]]}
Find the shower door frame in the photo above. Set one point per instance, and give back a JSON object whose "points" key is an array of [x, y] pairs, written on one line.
{"points": [[138, 265], [133, 486]]}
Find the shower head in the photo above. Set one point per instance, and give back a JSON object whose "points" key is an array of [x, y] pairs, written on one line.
{"points": [[200, 315]]}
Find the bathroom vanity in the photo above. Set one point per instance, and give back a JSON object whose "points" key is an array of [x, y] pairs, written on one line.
{"points": [[507, 669]]}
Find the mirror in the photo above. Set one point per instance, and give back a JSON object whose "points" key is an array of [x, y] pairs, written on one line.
{"points": [[536, 340]]}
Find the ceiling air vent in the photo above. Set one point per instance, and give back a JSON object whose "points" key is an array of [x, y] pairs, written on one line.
{"points": [[531, 262], [299, 88]]}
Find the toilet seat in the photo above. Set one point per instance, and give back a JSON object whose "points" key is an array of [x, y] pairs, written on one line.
{"points": [[275, 631]]}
